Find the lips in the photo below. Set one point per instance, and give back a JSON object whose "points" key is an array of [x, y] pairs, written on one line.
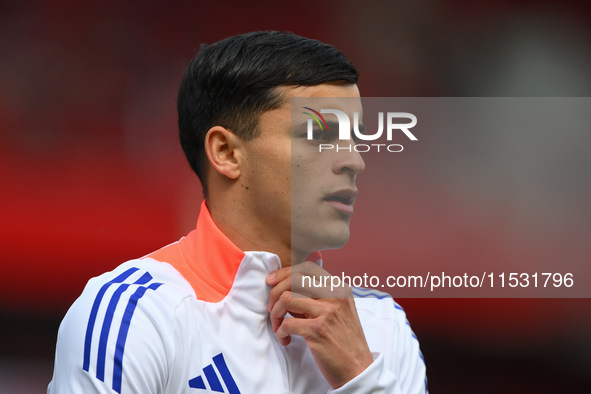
{"points": [[342, 200]]}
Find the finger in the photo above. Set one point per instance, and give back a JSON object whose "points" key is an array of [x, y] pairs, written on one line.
{"points": [[276, 291], [307, 279], [313, 281], [310, 284], [278, 311], [296, 305], [319, 284], [283, 273], [283, 279], [277, 276], [289, 327], [283, 337]]}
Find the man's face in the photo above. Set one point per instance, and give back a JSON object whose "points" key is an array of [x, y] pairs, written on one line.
{"points": [[303, 196]]}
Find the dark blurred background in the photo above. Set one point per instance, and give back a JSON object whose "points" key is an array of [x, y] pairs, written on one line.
{"points": [[92, 173]]}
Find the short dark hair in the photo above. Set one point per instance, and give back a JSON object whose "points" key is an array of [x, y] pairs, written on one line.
{"points": [[232, 82]]}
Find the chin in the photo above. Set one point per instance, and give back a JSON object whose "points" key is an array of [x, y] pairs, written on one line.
{"points": [[333, 238], [336, 244], [320, 236]]}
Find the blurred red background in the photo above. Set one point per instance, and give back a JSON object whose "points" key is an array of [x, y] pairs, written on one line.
{"points": [[92, 173]]}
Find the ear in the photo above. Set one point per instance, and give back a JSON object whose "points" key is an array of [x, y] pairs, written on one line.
{"points": [[222, 149]]}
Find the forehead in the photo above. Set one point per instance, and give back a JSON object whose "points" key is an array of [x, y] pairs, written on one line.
{"points": [[327, 95], [341, 96]]}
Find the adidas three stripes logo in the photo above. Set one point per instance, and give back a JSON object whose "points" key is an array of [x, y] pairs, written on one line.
{"points": [[212, 377]]}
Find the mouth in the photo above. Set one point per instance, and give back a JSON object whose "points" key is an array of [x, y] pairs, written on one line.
{"points": [[342, 200]]}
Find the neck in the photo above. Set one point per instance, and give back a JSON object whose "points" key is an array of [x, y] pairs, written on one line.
{"points": [[244, 229]]}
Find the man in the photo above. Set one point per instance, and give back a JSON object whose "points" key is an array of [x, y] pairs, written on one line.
{"points": [[218, 311]]}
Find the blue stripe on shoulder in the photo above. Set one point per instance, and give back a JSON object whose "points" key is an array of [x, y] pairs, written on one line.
{"points": [[140, 286], [124, 330], [371, 293], [94, 311], [367, 293]]}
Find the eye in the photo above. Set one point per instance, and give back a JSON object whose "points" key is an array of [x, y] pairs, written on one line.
{"points": [[318, 135], [329, 135]]}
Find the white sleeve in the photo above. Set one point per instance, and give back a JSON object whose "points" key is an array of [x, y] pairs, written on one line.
{"points": [[402, 371], [375, 379], [114, 338]]}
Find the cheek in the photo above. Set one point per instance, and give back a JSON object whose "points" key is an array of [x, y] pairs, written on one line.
{"points": [[309, 172], [306, 186], [310, 169], [273, 176]]}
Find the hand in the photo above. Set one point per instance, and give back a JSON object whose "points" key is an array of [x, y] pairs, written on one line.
{"points": [[326, 319]]}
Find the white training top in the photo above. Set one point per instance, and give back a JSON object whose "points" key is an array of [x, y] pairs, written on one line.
{"points": [[192, 318]]}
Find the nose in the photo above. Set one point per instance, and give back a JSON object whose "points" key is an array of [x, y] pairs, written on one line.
{"points": [[348, 159]]}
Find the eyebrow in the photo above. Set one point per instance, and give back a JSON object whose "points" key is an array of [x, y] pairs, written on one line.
{"points": [[335, 125], [332, 125]]}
